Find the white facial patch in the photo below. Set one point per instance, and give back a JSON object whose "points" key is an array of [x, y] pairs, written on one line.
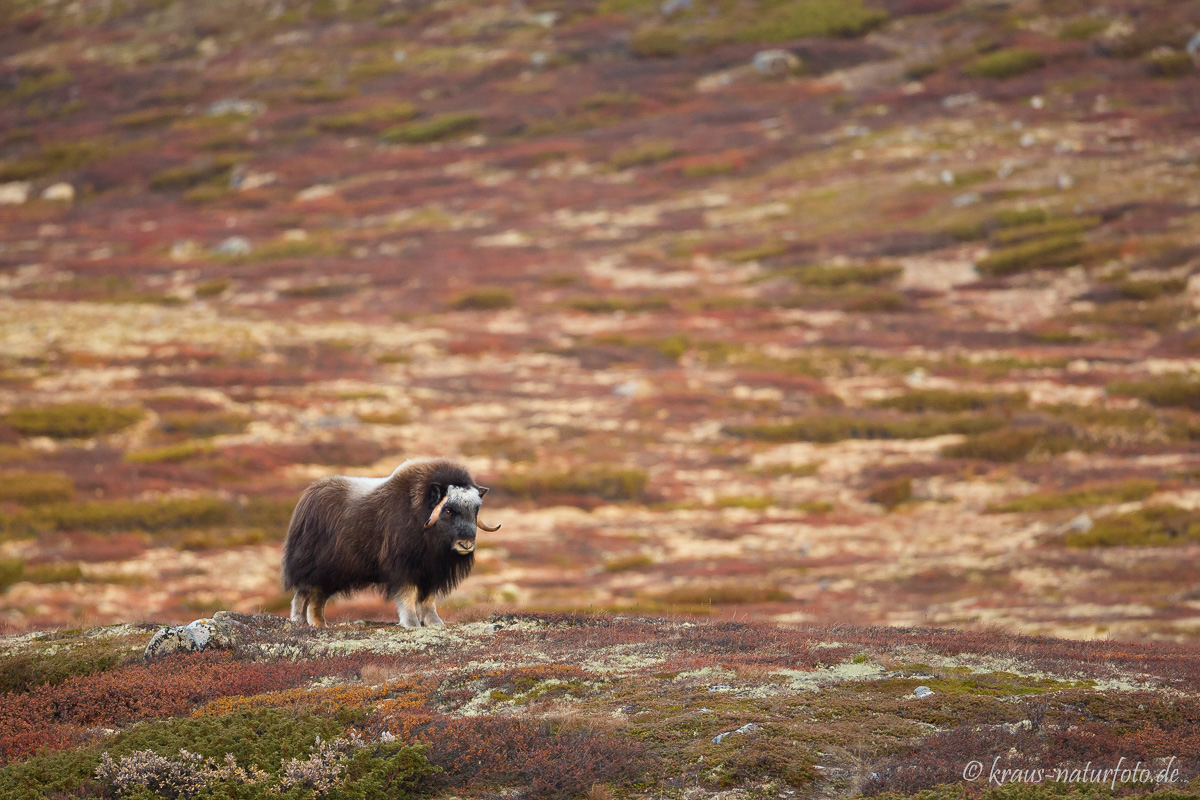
{"points": [[464, 497]]}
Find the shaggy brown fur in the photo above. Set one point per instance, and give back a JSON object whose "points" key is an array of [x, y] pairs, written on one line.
{"points": [[354, 533]]}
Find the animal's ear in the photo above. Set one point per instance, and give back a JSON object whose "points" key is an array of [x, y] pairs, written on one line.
{"points": [[436, 492], [482, 490]]}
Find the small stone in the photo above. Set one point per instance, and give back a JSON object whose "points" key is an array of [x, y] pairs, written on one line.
{"points": [[61, 192], [242, 108], [947, 177], [184, 250], [966, 199], [749, 727], [539, 58], [14, 193], [775, 63], [317, 192], [233, 246], [922, 691], [720, 687], [628, 709], [1081, 524], [670, 8]]}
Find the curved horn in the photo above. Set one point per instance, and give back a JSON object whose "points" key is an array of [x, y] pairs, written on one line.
{"points": [[487, 528], [437, 512]]}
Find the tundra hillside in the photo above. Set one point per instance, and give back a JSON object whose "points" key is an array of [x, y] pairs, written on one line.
{"points": [[566, 706], [871, 311]]}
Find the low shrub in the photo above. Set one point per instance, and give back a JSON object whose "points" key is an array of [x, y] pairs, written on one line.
{"points": [[1058, 251], [1170, 64], [613, 484], [1007, 63], [172, 454], [657, 41], [921, 400], [486, 299], [190, 176], [203, 424], [368, 119], [1019, 217], [1014, 444], [53, 573], [781, 22], [31, 488], [1164, 391], [835, 428], [834, 277], [1154, 525], [629, 563], [643, 154], [612, 305], [892, 494], [71, 420], [437, 129], [119, 515], [724, 594], [149, 117], [11, 570], [1098, 495]]}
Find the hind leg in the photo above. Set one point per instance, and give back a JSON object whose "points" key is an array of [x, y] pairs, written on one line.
{"points": [[300, 606], [316, 609], [429, 615]]}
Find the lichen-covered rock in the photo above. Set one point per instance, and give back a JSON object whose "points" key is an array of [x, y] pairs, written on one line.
{"points": [[217, 631]]}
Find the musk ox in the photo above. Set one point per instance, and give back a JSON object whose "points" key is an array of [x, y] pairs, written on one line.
{"points": [[410, 535]]}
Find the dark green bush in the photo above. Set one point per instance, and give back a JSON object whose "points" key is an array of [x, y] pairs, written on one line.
{"points": [[486, 299], [599, 482], [1098, 495], [952, 402], [1165, 391], [1058, 251], [835, 428]]}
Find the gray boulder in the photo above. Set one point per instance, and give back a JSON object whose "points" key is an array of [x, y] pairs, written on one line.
{"points": [[218, 631]]}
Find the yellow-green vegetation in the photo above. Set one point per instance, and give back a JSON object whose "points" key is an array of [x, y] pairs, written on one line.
{"points": [[723, 594], [318, 291], [892, 494], [202, 171], [1163, 315], [302, 248], [1007, 63], [643, 154], [72, 420], [1056, 251], [174, 453], [212, 288], [754, 503], [1084, 27], [52, 572], [1018, 234], [510, 448], [385, 417], [31, 488], [485, 299], [1015, 444], [436, 129], [1019, 217], [781, 22], [368, 119], [34, 85], [1154, 525], [1177, 390], [628, 563], [829, 277], [768, 249], [11, 570], [943, 400], [149, 117], [611, 305], [53, 158], [600, 482], [837, 427], [106, 516], [1148, 288], [203, 424], [1170, 64], [1086, 497], [658, 41]]}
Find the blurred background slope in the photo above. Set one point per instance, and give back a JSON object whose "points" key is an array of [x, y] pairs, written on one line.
{"points": [[880, 312]]}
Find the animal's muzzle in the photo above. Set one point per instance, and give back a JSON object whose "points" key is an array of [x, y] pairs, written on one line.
{"points": [[464, 546]]}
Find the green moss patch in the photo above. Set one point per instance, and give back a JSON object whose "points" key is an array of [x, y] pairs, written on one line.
{"points": [[1101, 494], [1154, 525], [71, 420]]}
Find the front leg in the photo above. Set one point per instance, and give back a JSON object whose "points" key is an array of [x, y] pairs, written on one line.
{"points": [[429, 615], [406, 606]]}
